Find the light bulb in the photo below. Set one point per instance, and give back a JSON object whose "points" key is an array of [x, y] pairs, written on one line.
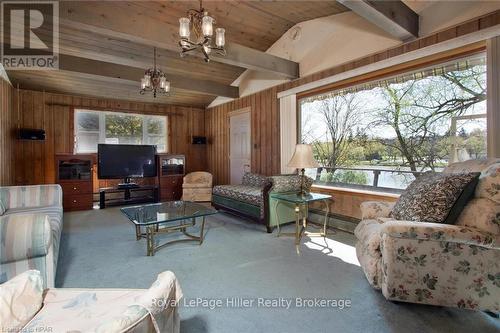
{"points": [[163, 81], [147, 80], [143, 83], [184, 27], [167, 86], [220, 38], [207, 26]]}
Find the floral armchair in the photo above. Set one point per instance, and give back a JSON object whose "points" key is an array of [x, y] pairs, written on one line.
{"points": [[439, 264]]}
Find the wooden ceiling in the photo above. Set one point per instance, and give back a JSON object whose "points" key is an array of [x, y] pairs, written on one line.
{"points": [[118, 38]]}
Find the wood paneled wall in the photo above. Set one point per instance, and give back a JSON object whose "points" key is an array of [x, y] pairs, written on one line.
{"points": [[7, 132], [347, 202], [265, 136], [34, 160]]}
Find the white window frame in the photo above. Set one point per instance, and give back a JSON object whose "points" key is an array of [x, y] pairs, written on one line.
{"points": [[102, 128], [453, 132], [453, 126]]}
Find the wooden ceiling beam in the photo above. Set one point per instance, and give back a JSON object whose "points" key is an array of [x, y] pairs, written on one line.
{"points": [[112, 70], [394, 17], [237, 55], [119, 67], [87, 85]]}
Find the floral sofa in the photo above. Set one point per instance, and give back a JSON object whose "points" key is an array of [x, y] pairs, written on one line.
{"points": [[439, 264], [251, 199], [31, 220], [27, 307]]}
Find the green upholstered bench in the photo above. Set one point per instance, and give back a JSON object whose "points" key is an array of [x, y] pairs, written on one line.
{"points": [[251, 199]]}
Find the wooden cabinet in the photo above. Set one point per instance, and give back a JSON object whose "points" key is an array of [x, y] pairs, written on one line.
{"points": [[75, 173], [171, 169]]}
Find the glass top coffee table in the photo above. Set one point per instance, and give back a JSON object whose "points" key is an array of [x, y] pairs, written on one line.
{"points": [[167, 217]]}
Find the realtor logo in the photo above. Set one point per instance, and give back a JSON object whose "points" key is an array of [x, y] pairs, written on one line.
{"points": [[30, 35]]}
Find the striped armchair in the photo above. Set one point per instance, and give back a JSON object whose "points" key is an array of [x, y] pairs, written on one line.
{"points": [[30, 230]]}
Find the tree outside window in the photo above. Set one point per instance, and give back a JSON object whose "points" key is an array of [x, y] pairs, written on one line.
{"points": [[93, 127], [401, 124]]}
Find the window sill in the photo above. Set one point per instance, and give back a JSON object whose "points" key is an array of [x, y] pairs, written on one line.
{"points": [[334, 189]]}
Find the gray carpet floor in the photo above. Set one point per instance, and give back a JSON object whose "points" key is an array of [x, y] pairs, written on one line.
{"points": [[239, 260]]}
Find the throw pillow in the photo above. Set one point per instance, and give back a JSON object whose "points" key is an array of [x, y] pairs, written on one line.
{"points": [[436, 197], [489, 183], [290, 183], [21, 298]]}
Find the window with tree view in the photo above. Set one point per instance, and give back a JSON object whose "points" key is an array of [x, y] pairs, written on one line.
{"points": [[381, 135], [93, 127]]}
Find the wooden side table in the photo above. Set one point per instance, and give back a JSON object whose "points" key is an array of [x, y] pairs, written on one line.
{"points": [[301, 203]]}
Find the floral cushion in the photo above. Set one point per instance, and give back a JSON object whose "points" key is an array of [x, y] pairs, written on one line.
{"points": [[489, 183], [375, 209], [81, 310], [483, 214], [249, 194], [253, 179], [290, 183], [435, 197], [440, 233], [20, 300]]}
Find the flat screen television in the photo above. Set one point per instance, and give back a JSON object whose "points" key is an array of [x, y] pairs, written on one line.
{"points": [[125, 161]]}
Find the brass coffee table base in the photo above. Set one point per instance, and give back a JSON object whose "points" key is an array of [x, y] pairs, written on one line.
{"points": [[154, 229]]}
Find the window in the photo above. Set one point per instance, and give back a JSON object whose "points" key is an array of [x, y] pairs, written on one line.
{"points": [[382, 134], [93, 127]]}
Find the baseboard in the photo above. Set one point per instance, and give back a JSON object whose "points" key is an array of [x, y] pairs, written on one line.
{"points": [[344, 223]]}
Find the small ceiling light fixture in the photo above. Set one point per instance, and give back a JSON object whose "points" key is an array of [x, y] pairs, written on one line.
{"points": [[155, 81], [203, 27]]}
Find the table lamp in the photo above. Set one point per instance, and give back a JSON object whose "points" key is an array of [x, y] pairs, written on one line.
{"points": [[302, 158]]}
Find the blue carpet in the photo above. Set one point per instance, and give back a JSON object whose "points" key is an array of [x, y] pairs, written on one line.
{"points": [[240, 262]]}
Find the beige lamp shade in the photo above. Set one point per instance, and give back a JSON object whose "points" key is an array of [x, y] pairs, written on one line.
{"points": [[303, 158]]}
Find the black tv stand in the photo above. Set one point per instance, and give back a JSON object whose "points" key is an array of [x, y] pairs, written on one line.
{"points": [[127, 183], [124, 186], [127, 195]]}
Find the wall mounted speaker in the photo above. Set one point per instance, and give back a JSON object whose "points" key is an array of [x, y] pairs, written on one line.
{"points": [[31, 134], [199, 140]]}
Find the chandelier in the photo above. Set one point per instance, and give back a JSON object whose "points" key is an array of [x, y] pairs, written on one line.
{"points": [[154, 81], [202, 26]]}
